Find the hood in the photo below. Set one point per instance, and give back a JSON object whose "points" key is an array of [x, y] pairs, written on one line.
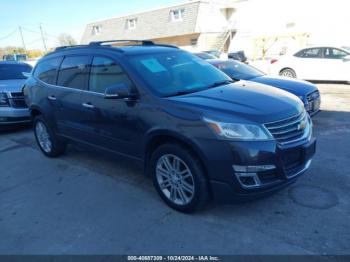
{"points": [[246, 101], [294, 86], [9, 86]]}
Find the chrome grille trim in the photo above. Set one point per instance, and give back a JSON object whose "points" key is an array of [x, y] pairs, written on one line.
{"points": [[288, 130], [17, 100], [313, 96]]}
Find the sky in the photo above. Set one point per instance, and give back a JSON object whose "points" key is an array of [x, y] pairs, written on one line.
{"points": [[61, 16]]}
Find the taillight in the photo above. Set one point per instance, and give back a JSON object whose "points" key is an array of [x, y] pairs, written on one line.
{"points": [[273, 61]]}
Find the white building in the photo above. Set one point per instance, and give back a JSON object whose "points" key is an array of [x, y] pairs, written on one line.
{"points": [[194, 25], [262, 28], [281, 26]]}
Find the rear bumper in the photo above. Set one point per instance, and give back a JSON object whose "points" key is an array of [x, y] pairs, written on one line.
{"points": [[13, 116]]}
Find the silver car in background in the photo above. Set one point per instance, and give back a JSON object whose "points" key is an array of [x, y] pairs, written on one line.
{"points": [[13, 109]]}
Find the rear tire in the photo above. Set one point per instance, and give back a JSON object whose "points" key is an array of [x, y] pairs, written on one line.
{"points": [[179, 178], [288, 72], [46, 138]]}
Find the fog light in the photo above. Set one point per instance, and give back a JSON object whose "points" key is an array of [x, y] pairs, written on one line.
{"points": [[248, 180], [253, 169], [248, 175]]}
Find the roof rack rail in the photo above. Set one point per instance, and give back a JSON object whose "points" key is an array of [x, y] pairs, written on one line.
{"points": [[143, 42], [68, 46]]}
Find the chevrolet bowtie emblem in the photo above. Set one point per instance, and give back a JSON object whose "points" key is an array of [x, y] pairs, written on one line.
{"points": [[302, 125]]}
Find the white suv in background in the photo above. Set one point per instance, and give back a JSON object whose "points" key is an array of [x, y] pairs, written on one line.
{"points": [[322, 63]]}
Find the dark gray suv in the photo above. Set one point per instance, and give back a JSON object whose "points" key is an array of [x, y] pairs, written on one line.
{"points": [[199, 135]]}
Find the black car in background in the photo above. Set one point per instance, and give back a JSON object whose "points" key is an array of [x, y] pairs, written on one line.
{"points": [[198, 134], [239, 56], [306, 91]]}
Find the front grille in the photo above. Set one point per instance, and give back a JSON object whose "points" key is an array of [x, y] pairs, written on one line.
{"points": [[313, 96], [290, 129], [17, 100]]}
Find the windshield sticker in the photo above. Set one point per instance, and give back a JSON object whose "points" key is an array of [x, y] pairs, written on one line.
{"points": [[153, 65]]}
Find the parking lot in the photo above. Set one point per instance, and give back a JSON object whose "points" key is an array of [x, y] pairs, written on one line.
{"points": [[85, 203]]}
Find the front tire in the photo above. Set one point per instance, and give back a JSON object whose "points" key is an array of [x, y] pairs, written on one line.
{"points": [[46, 138], [179, 178], [288, 72]]}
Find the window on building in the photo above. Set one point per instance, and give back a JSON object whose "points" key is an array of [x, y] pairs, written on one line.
{"points": [[194, 42], [74, 72], [177, 15], [105, 73], [131, 23], [96, 29], [47, 70]]}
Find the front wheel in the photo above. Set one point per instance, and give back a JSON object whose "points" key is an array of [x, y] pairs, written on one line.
{"points": [[288, 73], [179, 178], [47, 140]]}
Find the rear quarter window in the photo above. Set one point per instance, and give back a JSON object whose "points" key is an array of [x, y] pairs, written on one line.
{"points": [[47, 70]]}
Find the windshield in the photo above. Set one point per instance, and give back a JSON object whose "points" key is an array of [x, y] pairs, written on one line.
{"points": [[8, 72], [347, 48], [239, 71], [177, 72]]}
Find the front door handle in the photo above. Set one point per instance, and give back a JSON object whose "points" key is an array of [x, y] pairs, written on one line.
{"points": [[88, 105], [52, 98]]}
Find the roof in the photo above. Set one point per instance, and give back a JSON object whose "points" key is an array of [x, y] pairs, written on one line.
{"points": [[128, 50]]}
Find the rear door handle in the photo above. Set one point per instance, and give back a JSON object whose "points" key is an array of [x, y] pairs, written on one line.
{"points": [[88, 105], [52, 98]]}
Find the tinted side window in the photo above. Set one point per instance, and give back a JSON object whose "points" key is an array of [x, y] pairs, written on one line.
{"points": [[74, 72], [309, 53], [332, 53], [104, 73], [47, 70]]}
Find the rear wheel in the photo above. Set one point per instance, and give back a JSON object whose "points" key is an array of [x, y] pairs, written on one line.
{"points": [[47, 140], [179, 178], [287, 72]]}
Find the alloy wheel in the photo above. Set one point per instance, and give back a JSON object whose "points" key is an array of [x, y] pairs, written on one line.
{"points": [[43, 137], [175, 179]]}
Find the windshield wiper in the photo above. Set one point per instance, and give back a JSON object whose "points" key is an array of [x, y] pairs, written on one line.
{"points": [[190, 91], [221, 83], [183, 92]]}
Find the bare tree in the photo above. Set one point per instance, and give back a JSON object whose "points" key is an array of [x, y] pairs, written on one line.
{"points": [[66, 40]]}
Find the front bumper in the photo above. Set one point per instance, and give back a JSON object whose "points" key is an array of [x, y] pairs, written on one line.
{"points": [[284, 164], [313, 107], [13, 116]]}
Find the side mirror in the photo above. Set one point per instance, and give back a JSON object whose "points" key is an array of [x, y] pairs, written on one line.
{"points": [[346, 58], [117, 91]]}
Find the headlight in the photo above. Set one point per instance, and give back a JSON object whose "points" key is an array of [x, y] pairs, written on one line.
{"points": [[4, 99], [234, 131]]}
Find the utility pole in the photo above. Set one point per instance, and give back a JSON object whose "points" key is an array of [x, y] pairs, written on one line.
{"points": [[23, 43], [43, 37]]}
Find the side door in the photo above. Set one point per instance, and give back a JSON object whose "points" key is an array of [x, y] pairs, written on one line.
{"points": [[337, 68], [309, 64], [45, 87], [72, 79], [111, 123]]}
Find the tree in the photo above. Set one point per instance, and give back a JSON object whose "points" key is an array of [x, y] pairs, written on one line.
{"points": [[35, 53], [66, 40]]}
